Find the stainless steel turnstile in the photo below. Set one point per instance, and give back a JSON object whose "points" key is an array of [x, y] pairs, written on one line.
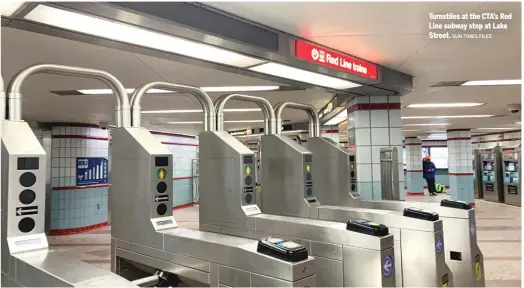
{"points": [[462, 254], [423, 237], [512, 174], [477, 174], [145, 235], [492, 180], [26, 258], [228, 205]]}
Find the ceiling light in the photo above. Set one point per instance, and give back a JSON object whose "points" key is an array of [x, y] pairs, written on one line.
{"points": [[206, 89], [296, 74], [427, 124], [445, 117], [198, 111], [136, 36], [7, 8], [444, 105], [227, 121], [171, 111], [239, 88], [185, 122], [243, 121], [409, 130], [337, 119], [509, 128], [492, 83]]}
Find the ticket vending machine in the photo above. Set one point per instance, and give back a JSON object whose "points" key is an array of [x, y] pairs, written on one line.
{"points": [[512, 173], [27, 260], [492, 177], [477, 174]]}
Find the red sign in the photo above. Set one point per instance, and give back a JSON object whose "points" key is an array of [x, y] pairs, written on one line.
{"points": [[324, 57]]}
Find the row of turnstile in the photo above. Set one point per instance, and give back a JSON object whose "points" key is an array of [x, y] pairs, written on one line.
{"points": [[497, 174], [308, 228]]}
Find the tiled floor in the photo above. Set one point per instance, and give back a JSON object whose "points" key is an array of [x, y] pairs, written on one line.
{"points": [[498, 232]]}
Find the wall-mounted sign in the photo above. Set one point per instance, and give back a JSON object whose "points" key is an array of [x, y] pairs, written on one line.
{"points": [[335, 60], [91, 171]]}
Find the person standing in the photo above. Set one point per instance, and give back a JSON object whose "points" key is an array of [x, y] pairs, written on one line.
{"points": [[429, 174]]}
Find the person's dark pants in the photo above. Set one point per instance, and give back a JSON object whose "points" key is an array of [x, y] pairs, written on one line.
{"points": [[431, 185]]}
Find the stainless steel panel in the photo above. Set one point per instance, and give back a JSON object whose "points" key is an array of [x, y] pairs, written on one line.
{"points": [[326, 250], [233, 277], [284, 178], [364, 268], [389, 173], [329, 272], [258, 280], [169, 266]]}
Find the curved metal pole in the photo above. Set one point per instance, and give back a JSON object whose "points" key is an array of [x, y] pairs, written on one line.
{"points": [[204, 100], [14, 97], [314, 121], [267, 109]]}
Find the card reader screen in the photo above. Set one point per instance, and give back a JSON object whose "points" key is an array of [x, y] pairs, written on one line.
{"points": [[28, 163], [161, 161]]}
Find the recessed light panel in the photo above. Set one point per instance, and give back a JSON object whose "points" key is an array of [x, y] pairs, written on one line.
{"points": [[444, 105], [492, 83], [292, 73], [125, 33]]}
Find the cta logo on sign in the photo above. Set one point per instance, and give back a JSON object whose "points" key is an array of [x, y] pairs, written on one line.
{"points": [[387, 268], [324, 57], [439, 245]]}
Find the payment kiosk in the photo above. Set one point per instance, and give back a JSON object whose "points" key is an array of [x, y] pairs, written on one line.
{"points": [[512, 173], [419, 230], [492, 180], [145, 235], [27, 260], [355, 253]]}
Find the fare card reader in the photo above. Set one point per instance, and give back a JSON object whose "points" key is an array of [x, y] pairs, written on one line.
{"points": [[367, 227], [282, 249], [419, 213], [455, 204]]}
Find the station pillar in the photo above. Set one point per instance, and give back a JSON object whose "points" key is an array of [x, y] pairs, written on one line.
{"points": [[414, 180], [460, 165], [374, 122]]}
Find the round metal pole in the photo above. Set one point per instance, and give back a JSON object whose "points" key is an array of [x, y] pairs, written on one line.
{"points": [[314, 121], [267, 110], [202, 97], [14, 97]]}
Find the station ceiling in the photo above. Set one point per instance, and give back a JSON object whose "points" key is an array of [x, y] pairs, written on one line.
{"points": [[390, 34]]}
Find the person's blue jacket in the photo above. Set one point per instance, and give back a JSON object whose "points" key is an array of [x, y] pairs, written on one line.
{"points": [[429, 169]]}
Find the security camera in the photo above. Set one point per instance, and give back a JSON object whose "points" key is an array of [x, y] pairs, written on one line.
{"points": [[514, 108], [103, 125]]}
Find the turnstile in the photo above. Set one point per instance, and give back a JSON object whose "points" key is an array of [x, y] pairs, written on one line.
{"points": [[477, 174], [512, 173], [346, 254], [492, 180], [27, 260], [422, 264], [145, 235], [462, 254]]}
